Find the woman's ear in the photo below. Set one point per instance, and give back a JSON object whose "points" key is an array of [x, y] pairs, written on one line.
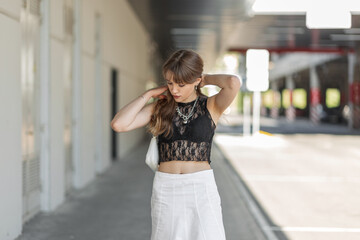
{"points": [[198, 80]]}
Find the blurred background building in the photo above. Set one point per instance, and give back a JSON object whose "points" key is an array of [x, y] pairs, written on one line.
{"points": [[67, 66]]}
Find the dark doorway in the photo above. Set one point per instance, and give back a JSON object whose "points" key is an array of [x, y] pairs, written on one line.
{"points": [[114, 83]]}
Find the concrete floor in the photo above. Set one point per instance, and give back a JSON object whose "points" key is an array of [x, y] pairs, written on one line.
{"points": [[284, 186], [304, 177], [116, 206]]}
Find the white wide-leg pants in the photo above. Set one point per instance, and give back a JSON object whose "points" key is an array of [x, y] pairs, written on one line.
{"points": [[186, 207]]}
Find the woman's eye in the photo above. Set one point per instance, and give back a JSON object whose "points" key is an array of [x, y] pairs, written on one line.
{"points": [[169, 83], [181, 85]]}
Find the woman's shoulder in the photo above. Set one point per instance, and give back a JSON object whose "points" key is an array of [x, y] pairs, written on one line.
{"points": [[203, 98]]}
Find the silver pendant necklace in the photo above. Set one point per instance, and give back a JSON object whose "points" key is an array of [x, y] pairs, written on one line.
{"points": [[183, 116]]}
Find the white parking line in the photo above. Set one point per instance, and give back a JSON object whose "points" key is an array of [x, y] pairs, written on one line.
{"points": [[311, 229], [279, 178]]}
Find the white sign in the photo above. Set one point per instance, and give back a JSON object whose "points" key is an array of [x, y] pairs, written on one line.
{"points": [[257, 70]]}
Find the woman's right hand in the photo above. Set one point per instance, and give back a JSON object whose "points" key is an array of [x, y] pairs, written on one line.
{"points": [[158, 92], [136, 113]]}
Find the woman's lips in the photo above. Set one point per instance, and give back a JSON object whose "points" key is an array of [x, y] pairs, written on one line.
{"points": [[176, 97]]}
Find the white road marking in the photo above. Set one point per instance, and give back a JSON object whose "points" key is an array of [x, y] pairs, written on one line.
{"points": [[312, 229], [279, 178]]}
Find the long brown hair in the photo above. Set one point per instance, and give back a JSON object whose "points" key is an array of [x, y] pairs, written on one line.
{"points": [[185, 66]]}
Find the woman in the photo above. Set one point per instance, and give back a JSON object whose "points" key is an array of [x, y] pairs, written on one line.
{"points": [[185, 203]]}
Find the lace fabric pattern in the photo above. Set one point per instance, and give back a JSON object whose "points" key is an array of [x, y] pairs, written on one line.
{"points": [[191, 141], [183, 150]]}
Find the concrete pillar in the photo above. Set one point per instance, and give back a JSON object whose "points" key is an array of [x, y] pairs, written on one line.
{"points": [[290, 111], [276, 100], [351, 65], [354, 88], [315, 102]]}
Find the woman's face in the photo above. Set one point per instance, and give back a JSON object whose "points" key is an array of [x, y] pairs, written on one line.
{"points": [[182, 92]]}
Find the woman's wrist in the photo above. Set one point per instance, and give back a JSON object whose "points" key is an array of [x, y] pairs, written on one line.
{"points": [[220, 80], [145, 96]]}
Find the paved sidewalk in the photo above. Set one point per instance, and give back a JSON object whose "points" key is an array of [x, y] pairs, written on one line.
{"points": [[304, 177], [116, 206]]}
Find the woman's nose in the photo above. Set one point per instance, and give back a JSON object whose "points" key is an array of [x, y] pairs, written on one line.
{"points": [[174, 89]]}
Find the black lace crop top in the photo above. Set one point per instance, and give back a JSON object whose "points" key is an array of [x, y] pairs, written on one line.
{"points": [[191, 141]]}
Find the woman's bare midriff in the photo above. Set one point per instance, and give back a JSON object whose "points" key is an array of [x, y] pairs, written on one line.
{"points": [[179, 167]]}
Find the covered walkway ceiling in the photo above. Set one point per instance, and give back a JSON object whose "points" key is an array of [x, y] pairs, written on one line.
{"points": [[213, 26]]}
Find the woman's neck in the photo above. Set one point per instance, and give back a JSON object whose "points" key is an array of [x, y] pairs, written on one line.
{"points": [[190, 98]]}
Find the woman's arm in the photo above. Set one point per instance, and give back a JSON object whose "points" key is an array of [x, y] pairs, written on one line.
{"points": [[136, 114], [229, 84]]}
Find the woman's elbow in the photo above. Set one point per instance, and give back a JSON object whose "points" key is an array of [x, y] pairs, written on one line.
{"points": [[235, 82], [114, 127], [117, 127]]}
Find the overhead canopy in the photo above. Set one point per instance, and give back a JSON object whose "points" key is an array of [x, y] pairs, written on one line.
{"points": [[214, 26]]}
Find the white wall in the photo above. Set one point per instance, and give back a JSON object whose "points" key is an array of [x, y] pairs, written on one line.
{"points": [[124, 47], [56, 131], [106, 143], [10, 121], [88, 117]]}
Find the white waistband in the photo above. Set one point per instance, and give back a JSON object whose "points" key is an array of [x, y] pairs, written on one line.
{"points": [[203, 174]]}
